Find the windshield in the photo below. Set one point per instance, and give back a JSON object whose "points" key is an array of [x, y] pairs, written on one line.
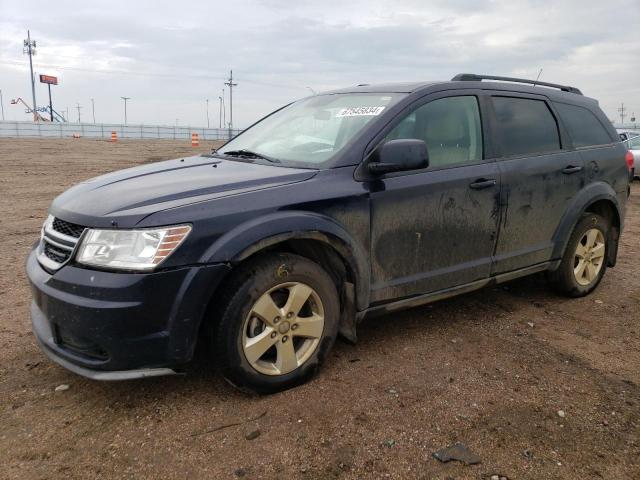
{"points": [[309, 132]]}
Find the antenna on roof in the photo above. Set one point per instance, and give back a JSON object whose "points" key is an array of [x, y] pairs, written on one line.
{"points": [[537, 78]]}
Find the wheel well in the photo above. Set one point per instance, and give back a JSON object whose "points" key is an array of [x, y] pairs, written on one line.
{"points": [[335, 264], [607, 210], [317, 251]]}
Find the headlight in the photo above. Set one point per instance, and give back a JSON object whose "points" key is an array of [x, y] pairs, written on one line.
{"points": [[142, 249]]}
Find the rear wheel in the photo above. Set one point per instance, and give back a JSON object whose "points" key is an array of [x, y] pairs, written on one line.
{"points": [[277, 322], [585, 259]]}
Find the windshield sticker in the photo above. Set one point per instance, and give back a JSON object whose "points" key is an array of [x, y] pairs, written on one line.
{"points": [[359, 111]]}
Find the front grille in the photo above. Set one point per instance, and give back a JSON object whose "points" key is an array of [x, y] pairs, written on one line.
{"points": [[58, 256], [59, 239], [67, 228]]}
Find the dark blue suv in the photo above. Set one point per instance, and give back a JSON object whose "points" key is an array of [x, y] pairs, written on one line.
{"points": [[336, 207]]}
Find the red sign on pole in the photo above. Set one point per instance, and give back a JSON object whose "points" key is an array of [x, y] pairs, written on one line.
{"points": [[51, 80]]}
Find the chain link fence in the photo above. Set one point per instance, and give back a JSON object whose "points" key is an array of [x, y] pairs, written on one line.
{"points": [[103, 130]]}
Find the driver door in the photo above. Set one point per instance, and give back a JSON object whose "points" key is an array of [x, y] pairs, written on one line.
{"points": [[436, 228]]}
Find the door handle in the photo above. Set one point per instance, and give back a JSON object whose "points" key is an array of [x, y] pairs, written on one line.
{"points": [[483, 183], [568, 170]]}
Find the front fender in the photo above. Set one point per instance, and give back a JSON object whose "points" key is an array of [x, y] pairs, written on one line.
{"points": [[259, 233], [588, 195]]}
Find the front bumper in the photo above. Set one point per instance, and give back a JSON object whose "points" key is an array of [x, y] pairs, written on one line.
{"points": [[116, 326]]}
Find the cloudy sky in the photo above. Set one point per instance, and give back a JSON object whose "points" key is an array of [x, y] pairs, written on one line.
{"points": [[169, 57]]}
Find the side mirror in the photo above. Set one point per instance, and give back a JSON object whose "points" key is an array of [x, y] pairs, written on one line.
{"points": [[400, 155]]}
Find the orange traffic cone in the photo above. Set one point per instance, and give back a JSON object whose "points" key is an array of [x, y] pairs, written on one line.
{"points": [[194, 140], [114, 136]]}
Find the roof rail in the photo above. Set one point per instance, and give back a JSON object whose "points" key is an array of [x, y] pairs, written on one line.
{"points": [[472, 77]]}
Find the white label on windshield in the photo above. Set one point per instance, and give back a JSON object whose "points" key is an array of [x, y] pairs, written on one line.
{"points": [[359, 111]]}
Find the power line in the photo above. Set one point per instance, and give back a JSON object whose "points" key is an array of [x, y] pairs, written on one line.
{"points": [[203, 76], [78, 107], [118, 72]]}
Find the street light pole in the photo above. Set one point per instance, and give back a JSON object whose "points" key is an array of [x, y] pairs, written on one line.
{"points": [[220, 111], [2, 104], [224, 110], [207, 113], [125, 108], [29, 48], [93, 111]]}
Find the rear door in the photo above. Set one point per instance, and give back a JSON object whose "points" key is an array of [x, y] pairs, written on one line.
{"points": [[435, 228], [539, 178]]}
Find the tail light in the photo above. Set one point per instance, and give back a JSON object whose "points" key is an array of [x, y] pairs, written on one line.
{"points": [[629, 159]]}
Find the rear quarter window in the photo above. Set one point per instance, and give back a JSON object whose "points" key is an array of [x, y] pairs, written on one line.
{"points": [[634, 143], [584, 128], [527, 126]]}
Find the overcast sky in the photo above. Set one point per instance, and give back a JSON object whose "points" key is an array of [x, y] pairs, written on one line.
{"points": [[169, 57]]}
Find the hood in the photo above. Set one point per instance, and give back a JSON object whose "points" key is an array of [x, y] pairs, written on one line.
{"points": [[127, 196]]}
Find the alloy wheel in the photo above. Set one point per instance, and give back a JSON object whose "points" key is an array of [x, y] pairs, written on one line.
{"points": [[283, 328], [589, 257]]}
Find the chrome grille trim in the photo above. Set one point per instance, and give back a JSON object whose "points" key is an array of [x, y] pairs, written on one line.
{"points": [[63, 246]]}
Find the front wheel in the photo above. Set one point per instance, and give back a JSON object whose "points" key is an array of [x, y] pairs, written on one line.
{"points": [[277, 322], [585, 259]]}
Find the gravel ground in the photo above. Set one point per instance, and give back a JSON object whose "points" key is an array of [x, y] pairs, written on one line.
{"points": [[491, 369]]}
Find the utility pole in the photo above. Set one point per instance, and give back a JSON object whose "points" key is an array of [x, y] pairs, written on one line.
{"points": [[2, 104], [78, 107], [230, 84], [207, 113], [622, 111], [93, 111], [29, 48], [125, 108]]}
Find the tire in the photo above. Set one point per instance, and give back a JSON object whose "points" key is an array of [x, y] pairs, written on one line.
{"points": [[583, 265], [247, 323]]}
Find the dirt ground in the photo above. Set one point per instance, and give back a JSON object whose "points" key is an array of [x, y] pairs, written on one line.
{"points": [[490, 369]]}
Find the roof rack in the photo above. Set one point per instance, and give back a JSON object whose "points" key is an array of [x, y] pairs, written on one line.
{"points": [[471, 77]]}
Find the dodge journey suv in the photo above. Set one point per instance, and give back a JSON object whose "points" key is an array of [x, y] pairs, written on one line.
{"points": [[334, 208]]}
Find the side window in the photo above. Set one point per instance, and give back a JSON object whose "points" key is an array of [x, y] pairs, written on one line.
{"points": [[583, 126], [527, 126], [450, 127]]}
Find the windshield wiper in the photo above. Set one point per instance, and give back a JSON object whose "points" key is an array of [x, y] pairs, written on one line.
{"points": [[250, 154]]}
